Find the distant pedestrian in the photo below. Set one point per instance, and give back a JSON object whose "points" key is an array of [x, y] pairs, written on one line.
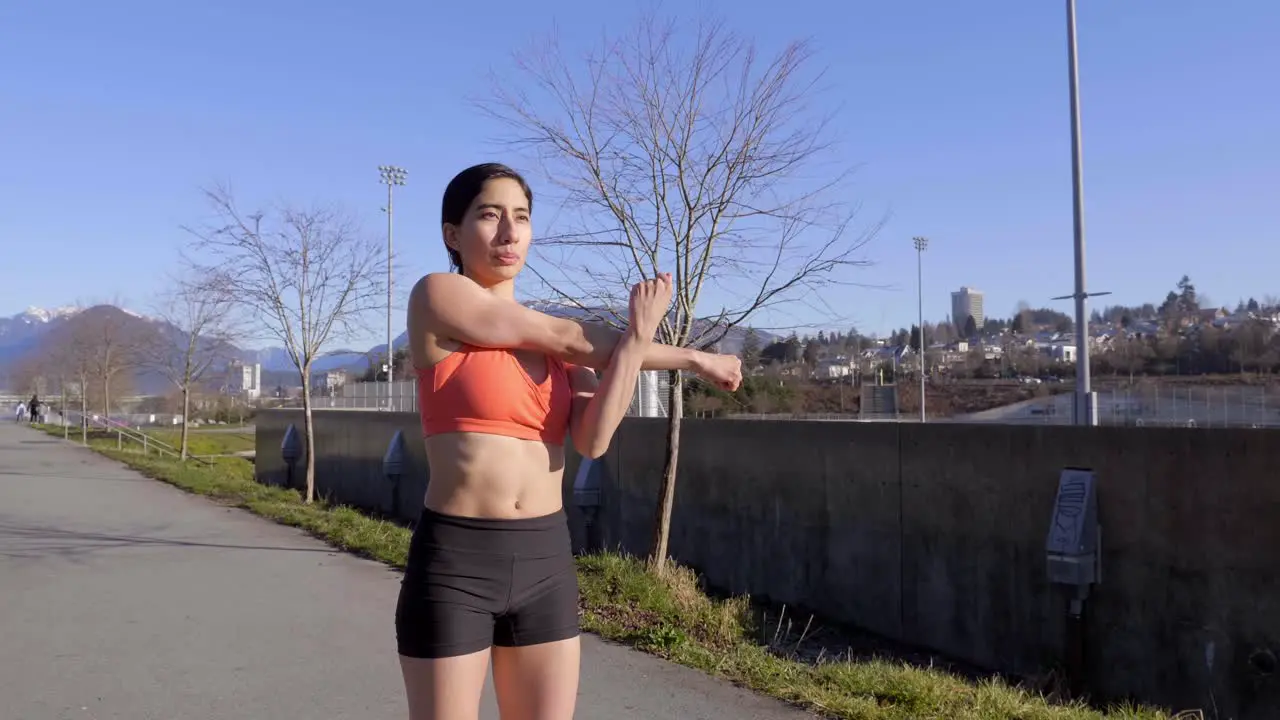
{"points": [[33, 409], [22, 411]]}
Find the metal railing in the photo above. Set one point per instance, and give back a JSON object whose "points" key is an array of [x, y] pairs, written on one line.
{"points": [[122, 431]]}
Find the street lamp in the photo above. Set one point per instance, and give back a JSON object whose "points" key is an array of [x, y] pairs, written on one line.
{"points": [[1085, 406], [922, 244], [391, 176]]}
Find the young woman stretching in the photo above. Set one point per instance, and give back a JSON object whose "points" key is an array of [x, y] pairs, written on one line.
{"points": [[490, 573]]}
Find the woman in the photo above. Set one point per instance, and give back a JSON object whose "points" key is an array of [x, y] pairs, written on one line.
{"points": [[490, 574]]}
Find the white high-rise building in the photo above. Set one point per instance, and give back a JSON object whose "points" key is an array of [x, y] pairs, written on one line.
{"points": [[965, 302], [652, 389], [244, 379]]}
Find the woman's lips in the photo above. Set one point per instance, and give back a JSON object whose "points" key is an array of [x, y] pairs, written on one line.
{"points": [[508, 259]]}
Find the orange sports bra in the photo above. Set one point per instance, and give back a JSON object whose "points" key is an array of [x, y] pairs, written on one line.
{"points": [[483, 390]]}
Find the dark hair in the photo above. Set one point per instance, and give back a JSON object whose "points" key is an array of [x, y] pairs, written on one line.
{"points": [[462, 191]]}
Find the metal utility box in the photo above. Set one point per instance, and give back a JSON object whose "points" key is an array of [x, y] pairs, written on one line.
{"points": [[393, 459], [1074, 541], [291, 445]]}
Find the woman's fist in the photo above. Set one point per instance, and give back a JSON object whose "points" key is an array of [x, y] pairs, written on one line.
{"points": [[649, 302]]}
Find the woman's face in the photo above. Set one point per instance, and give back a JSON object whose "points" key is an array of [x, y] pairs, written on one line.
{"points": [[494, 236]]}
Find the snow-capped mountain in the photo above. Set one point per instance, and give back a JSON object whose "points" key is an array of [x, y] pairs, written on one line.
{"points": [[42, 315], [20, 333], [33, 320]]}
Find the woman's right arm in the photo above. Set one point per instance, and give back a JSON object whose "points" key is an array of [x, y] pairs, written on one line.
{"points": [[453, 306]]}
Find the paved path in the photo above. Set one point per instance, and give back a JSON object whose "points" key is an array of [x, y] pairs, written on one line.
{"points": [[122, 598]]}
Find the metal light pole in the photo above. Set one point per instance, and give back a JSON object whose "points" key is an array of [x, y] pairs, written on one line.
{"points": [[922, 244], [1085, 405], [391, 176]]}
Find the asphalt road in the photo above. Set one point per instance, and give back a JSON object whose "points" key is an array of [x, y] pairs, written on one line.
{"points": [[122, 598]]}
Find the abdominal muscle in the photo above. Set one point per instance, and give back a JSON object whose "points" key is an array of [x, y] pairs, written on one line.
{"points": [[491, 476]]}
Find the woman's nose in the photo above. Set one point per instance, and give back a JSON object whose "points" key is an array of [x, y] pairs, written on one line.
{"points": [[506, 232]]}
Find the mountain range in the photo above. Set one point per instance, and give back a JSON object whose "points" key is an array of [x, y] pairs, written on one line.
{"points": [[24, 337]]}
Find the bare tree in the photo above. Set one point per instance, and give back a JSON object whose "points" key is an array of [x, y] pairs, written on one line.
{"points": [[115, 349], [194, 333], [689, 156], [307, 276], [69, 354], [99, 346], [32, 375]]}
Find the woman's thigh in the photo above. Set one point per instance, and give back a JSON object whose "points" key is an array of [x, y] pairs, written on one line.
{"points": [[537, 682], [445, 688]]}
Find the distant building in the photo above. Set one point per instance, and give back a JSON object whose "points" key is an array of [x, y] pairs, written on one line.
{"points": [[832, 369], [245, 379], [967, 302], [328, 383], [650, 399]]}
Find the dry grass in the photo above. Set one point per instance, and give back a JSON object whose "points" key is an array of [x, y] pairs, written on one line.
{"points": [[672, 617]]}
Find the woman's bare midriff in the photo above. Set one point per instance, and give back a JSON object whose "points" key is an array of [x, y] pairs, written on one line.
{"points": [[491, 476]]}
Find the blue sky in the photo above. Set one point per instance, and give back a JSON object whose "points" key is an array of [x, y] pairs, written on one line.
{"points": [[115, 114]]}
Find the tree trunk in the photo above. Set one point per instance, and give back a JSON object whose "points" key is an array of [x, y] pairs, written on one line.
{"points": [[667, 493], [84, 409], [186, 408], [311, 437], [106, 398]]}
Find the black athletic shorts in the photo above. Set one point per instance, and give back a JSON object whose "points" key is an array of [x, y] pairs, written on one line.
{"points": [[471, 583]]}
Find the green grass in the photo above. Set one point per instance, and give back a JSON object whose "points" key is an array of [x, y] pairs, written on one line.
{"points": [[203, 442], [199, 442], [669, 616]]}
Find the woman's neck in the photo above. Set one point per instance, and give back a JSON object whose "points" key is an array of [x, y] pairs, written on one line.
{"points": [[505, 289]]}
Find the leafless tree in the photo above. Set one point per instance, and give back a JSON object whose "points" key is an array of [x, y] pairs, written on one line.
{"points": [[70, 355], [305, 275], [102, 344], [116, 349], [194, 334], [32, 375], [687, 154]]}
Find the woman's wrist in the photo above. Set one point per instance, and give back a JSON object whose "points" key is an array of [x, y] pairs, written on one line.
{"points": [[697, 360]]}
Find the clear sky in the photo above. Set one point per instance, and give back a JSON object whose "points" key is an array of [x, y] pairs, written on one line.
{"points": [[113, 115]]}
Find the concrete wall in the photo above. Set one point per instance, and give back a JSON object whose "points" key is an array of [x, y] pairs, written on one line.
{"points": [[934, 535]]}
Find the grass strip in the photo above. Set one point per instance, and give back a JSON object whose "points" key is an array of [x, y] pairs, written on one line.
{"points": [[208, 442], [668, 616]]}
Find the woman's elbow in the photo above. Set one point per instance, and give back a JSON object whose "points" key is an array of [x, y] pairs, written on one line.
{"points": [[590, 446]]}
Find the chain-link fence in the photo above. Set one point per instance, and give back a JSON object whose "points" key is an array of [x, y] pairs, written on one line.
{"points": [[650, 399], [1152, 404], [400, 396], [1155, 405]]}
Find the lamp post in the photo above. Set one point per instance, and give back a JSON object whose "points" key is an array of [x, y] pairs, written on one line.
{"points": [[922, 244], [1085, 410], [391, 177]]}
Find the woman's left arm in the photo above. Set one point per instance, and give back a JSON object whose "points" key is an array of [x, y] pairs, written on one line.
{"points": [[600, 405]]}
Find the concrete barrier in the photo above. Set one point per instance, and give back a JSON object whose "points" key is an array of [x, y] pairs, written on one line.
{"points": [[934, 535]]}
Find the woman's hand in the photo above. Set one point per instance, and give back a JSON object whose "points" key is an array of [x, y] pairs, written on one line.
{"points": [[649, 302], [723, 371]]}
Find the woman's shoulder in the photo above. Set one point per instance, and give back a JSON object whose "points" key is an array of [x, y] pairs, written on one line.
{"points": [[432, 285]]}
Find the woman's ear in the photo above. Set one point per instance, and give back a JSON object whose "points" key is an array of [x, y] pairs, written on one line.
{"points": [[450, 233]]}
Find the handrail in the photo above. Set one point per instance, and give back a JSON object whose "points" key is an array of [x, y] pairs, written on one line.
{"points": [[140, 437]]}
